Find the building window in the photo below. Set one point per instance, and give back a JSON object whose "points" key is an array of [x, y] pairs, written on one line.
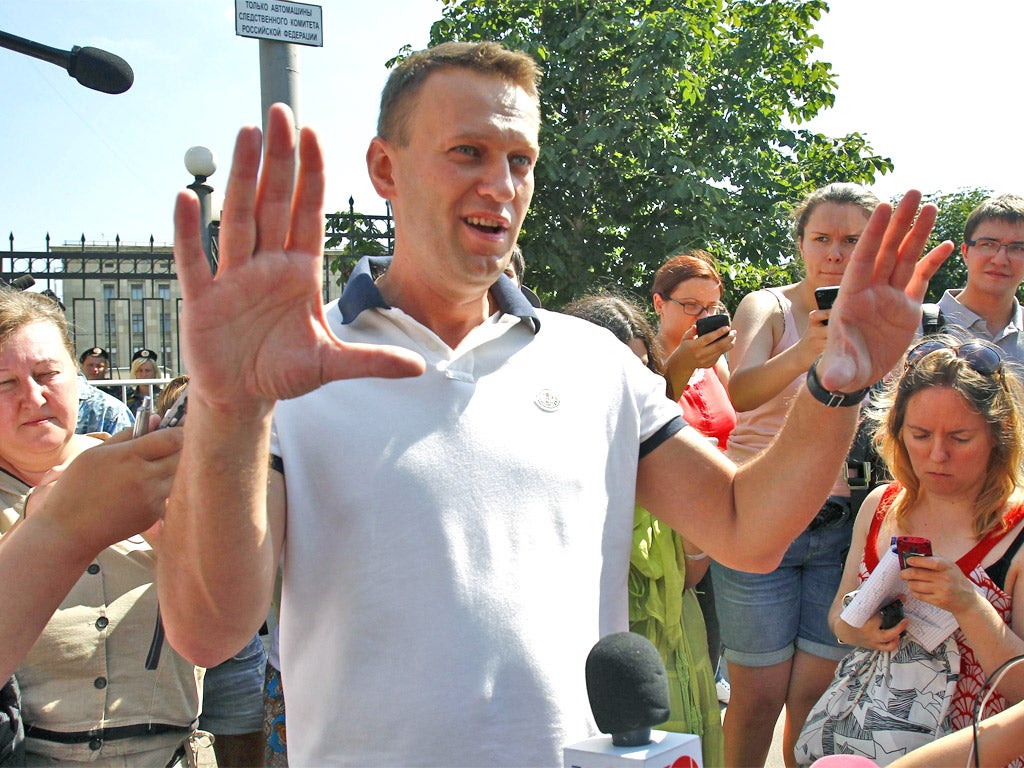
{"points": [[108, 325], [165, 322], [136, 291], [108, 291], [163, 291], [137, 324]]}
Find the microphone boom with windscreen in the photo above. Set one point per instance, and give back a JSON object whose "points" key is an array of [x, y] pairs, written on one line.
{"points": [[92, 67]]}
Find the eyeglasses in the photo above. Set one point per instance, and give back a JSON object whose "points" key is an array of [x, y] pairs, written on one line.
{"points": [[694, 308], [981, 356], [989, 247]]}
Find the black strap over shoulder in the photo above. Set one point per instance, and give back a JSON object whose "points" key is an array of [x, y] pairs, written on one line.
{"points": [[864, 468], [998, 570]]}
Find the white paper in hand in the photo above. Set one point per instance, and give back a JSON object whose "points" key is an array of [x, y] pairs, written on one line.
{"points": [[929, 624]]}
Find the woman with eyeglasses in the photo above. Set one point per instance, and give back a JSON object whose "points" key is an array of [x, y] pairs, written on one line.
{"points": [[778, 645], [686, 289], [951, 431]]}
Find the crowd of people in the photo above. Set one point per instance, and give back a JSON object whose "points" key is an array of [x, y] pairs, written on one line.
{"points": [[457, 492]]}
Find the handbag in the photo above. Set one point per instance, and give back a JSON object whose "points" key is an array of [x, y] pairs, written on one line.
{"points": [[883, 704]]}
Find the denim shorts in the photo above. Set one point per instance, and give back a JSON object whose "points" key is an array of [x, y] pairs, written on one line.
{"points": [[765, 617], [233, 693]]}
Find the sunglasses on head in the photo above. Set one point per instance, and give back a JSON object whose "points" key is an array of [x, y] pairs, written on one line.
{"points": [[980, 356]]}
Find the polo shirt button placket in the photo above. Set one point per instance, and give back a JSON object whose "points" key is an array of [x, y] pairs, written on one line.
{"points": [[93, 569], [102, 622]]}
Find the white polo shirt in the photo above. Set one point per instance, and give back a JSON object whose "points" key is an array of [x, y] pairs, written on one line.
{"points": [[456, 543], [1010, 340]]}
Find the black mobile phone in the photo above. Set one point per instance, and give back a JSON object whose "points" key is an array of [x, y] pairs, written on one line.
{"points": [[892, 614], [826, 297], [911, 546], [709, 323]]}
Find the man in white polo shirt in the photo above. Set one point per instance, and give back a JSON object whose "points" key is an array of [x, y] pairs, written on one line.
{"points": [[456, 531], [993, 250]]}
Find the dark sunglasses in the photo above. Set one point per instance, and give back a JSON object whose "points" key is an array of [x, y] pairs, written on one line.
{"points": [[981, 356]]}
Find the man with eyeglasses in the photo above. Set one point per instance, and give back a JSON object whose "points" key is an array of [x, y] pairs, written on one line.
{"points": [[993, 250]]}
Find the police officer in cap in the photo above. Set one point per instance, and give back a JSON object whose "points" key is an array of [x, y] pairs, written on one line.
{"points": [[95, 363], [143, 367]]}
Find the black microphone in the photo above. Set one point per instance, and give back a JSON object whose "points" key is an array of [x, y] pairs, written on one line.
{"points": [[20, 283], [628, 688], [92, 67]]}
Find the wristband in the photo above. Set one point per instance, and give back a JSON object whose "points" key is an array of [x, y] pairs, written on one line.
{"points": [[831, 399]]}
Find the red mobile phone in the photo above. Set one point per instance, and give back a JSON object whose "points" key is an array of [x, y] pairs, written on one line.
{"points": [[911, 546]]}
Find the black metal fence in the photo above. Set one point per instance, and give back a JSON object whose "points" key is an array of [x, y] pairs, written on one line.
{"points": [[125, 297]]}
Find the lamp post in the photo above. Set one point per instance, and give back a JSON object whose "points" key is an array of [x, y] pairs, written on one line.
{"points": [[200, 163]]}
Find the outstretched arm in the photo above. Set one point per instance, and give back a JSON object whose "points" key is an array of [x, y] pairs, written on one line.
{"points": [[1000, 740], [746, 517], [105, 495], [252, 335]]}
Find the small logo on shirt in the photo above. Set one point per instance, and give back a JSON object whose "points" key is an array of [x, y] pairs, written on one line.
{"points": [[547, 400]]}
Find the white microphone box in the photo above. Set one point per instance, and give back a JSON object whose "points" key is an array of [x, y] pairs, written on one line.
{"points": [[666, 750]]}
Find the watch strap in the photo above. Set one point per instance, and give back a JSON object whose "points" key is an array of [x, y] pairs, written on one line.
{"points": [[828, 398]]}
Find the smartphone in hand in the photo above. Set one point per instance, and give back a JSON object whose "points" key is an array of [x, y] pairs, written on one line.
{"points": [[711, 322], [826, 297]]}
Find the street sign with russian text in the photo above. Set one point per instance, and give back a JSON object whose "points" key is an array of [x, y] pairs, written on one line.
{"points": [[285, 22]]}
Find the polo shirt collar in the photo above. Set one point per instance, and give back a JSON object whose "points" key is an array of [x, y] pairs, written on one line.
{"points": [[361, 293]]}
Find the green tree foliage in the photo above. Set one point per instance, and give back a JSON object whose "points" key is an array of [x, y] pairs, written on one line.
{"points": [[351, 235], [664, 127]]}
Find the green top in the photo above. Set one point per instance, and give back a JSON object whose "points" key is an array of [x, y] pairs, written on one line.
{"points": [[670, 617]]}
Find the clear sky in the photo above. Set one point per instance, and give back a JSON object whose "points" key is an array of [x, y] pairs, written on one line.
{"points": [[927, 81]]}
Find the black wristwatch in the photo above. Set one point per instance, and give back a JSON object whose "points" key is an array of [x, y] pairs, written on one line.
{"points": [[832, 399]]}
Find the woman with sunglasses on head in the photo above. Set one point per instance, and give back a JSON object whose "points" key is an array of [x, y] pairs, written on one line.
{"points": [[950, 430], [778, 646]]}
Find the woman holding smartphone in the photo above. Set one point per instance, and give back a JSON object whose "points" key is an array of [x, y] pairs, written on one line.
{"points": [[951, 431], [774, 626], [687, 294]]}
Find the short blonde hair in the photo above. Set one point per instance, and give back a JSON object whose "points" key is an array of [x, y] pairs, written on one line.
{"points": [[406, 80], [138, 362]]}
